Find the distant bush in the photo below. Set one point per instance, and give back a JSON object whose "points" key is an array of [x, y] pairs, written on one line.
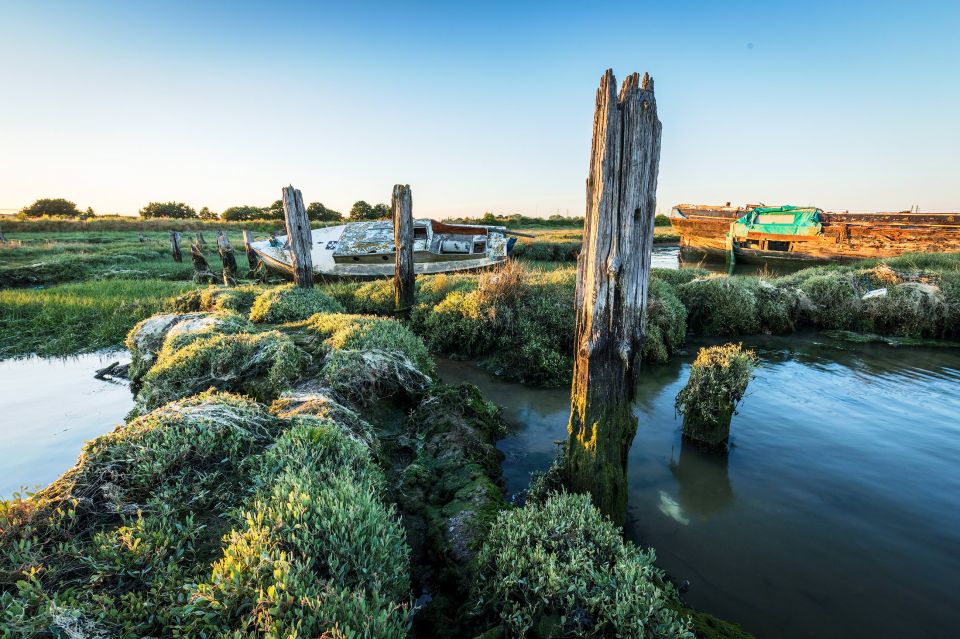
{"points": [[54, 207], [288, 303], [362, 211], [318, 212], [563, 570], [243, 212], [175, 210]]}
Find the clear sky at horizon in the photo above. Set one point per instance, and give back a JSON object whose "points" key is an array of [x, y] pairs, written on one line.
{"points": [[483, 107]]}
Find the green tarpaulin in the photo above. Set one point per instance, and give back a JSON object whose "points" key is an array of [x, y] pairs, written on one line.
{"points": [[779, 220]]}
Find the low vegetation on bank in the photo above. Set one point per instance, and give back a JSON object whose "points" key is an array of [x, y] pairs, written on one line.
{"points": [[310, 478]]}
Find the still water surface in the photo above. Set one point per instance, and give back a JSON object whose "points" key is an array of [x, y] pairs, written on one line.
{"points": [[836, 512], [49, 407]]}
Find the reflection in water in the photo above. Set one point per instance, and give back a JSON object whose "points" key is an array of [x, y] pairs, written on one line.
{"points": [[703, 483], [844, 461]]}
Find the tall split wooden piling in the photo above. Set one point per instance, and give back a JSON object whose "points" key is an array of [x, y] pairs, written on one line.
{"points": [[228, 259], [175, 246], [403, 277], [298, 237], [201, 268], [613, 273]]}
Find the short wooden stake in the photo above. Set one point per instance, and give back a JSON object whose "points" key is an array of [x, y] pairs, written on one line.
{"points": [[201, 268], [252, 259], [404, 277], [228, 259], [298, 237], [140, 237], [200, 240], [175, 246], [613, 272]]}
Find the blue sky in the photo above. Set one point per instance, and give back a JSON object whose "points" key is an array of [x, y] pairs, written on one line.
{"points": [[484, 107]]}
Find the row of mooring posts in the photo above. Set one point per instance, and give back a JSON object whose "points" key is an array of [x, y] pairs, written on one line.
{"points": [[202, 271]]}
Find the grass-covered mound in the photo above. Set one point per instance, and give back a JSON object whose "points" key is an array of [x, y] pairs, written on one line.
{"points": [[208, 517], [168, 332], [563, 570], [368, 358], [289, 303], [261, 365]]}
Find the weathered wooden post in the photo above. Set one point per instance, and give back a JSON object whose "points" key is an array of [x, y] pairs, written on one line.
{"points": [[202, 242], [201, 268], [252, 259], [141, 238], [228, 259], [403, 277], [298, 236], [613, 272], [175, 246]]}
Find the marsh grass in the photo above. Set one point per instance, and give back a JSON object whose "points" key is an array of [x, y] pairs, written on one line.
{"points": [[80, 317]]}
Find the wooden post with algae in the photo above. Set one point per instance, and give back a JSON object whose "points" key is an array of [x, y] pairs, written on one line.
{"points": [[403, 277], [298, 237], [228, 259], [613, 272], [175, 246]]}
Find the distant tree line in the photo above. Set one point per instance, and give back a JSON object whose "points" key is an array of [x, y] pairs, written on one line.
{"points": [[361, 210]]}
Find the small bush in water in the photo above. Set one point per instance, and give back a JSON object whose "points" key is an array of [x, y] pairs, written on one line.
{"points": [[563, 570], [718, 380], [291, 304]]}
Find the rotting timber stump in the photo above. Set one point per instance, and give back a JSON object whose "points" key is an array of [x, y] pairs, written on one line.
{"points": [[613, 272], [252, 259], [298, 237], [228, 259], [404, 278]]}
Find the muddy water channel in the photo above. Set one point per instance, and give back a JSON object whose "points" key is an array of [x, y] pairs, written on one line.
{"points": [[836, 512], [48, 408]]}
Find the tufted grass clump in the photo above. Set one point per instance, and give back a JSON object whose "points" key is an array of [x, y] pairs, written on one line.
{"points": [[261, 365], [289, 303], [563, 570], [171, 331], [238, 299], [367, 358], [910, 309], [836, 302], [718, 380], [318, 551], [666, 322], [720, 306]]}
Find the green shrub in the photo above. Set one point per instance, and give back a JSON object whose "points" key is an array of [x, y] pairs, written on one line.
{"points": [[950, 286], [289, 303], [260, 365], [563, 570], [720, 306], [909, 310], [677, 276], [836, 301], [666, 323], [777, 307], [319, 549], [238, 299]]}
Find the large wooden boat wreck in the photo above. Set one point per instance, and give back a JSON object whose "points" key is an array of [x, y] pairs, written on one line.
{"points": [[360, 250], [805, 234]]}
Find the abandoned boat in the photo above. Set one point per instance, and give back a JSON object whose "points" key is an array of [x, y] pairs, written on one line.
{"points": [[362, 250], [757, 233]]}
